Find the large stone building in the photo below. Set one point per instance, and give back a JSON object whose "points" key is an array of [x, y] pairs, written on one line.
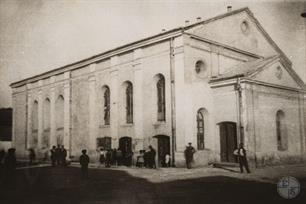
{"points": [[214, 83]]}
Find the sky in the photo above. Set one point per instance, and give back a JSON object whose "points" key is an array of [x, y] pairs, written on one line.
{"points": [[40, 35]]}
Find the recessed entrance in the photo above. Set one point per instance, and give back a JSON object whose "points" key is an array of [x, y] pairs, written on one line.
{"points": [[163, 148], [125, 145], [228, 141]]}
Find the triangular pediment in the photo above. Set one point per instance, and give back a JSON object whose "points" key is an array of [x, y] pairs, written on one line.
{"points": [[276, 73], [238, 30]]}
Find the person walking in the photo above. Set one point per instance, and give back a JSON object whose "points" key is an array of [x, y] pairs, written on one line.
{"points": [[84, 161], [189, 151], [243, 162]]}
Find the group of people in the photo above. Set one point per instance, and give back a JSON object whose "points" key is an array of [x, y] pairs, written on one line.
{"points": [[146, 158], [117, 157], [58, 155], [7, 164]]}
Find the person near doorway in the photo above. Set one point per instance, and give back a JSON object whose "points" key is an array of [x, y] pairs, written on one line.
{"points": [[167, 160], [53, 155], [189, 152], [119, 157], [102, 154], [108, 159], [84, 161], [140, 159], [152, 154], [243, 162]]}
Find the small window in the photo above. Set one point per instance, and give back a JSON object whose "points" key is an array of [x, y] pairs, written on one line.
{"points": [[200, 69], [245, 28], [104, 142]]}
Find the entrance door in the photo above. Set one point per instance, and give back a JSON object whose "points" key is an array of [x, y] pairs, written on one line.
{"points": [[228, 141], [163, 148], [125, 145]]}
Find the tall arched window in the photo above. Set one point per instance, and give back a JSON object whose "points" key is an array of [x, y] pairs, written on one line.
{"points": [[106, 105], [200, 130], [281, 131], [35, 117], [161, 100], [34, 135], [46, 123], [129, 102]]}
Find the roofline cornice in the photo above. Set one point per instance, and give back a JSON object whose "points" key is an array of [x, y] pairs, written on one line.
{"points": [[233, 80], [224, 45], [105, 55]]}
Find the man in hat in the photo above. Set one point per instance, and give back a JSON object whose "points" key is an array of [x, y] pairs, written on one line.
{"points": [[189, 151]]}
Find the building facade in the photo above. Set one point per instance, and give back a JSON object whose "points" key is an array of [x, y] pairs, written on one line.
{"points": [[214, 83]]}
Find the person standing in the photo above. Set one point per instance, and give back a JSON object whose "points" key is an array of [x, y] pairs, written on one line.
{"points": [[84, 161], [53, 155], [189, 151], [152, 155], [167, 160], [9, 165], [243, 162], [32, 156], [108, 159], [63, 155], [58, 155]]}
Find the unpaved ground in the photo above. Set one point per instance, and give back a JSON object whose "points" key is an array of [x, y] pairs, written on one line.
{"points": [[131, 185]]}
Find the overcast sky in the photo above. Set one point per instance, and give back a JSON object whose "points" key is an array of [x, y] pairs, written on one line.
{"points": [[40, 35]]}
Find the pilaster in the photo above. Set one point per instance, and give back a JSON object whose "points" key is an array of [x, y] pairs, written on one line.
{"points": [[52, 114], [92, 108], [67, 101]]}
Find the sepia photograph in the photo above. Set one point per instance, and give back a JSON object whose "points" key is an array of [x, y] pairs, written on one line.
{"points": [[152, 101]]}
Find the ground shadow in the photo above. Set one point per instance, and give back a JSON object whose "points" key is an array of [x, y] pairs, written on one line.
{"points": [[64, 185]]}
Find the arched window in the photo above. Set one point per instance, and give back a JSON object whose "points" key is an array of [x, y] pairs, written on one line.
{"points": [[200, 130], [34, 135], [46, 123], [35, 117], [281, 131], [129, 103], [161, 100], [106, 106]]}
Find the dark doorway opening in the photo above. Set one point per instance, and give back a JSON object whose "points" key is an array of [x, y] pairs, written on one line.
{"points": [[228, 141], [125, 145], [163, 148]]}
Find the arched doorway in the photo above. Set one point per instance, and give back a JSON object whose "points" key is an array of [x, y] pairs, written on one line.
{"points": [[228, 141], [163, 148], [125, 145]]}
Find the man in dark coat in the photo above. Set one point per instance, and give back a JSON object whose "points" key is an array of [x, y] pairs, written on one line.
{"points": [[243, 162], [9, 165], [63, 155], [58, 155], [189, 151], [53, 155], [152, 155], [84, 161]]}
